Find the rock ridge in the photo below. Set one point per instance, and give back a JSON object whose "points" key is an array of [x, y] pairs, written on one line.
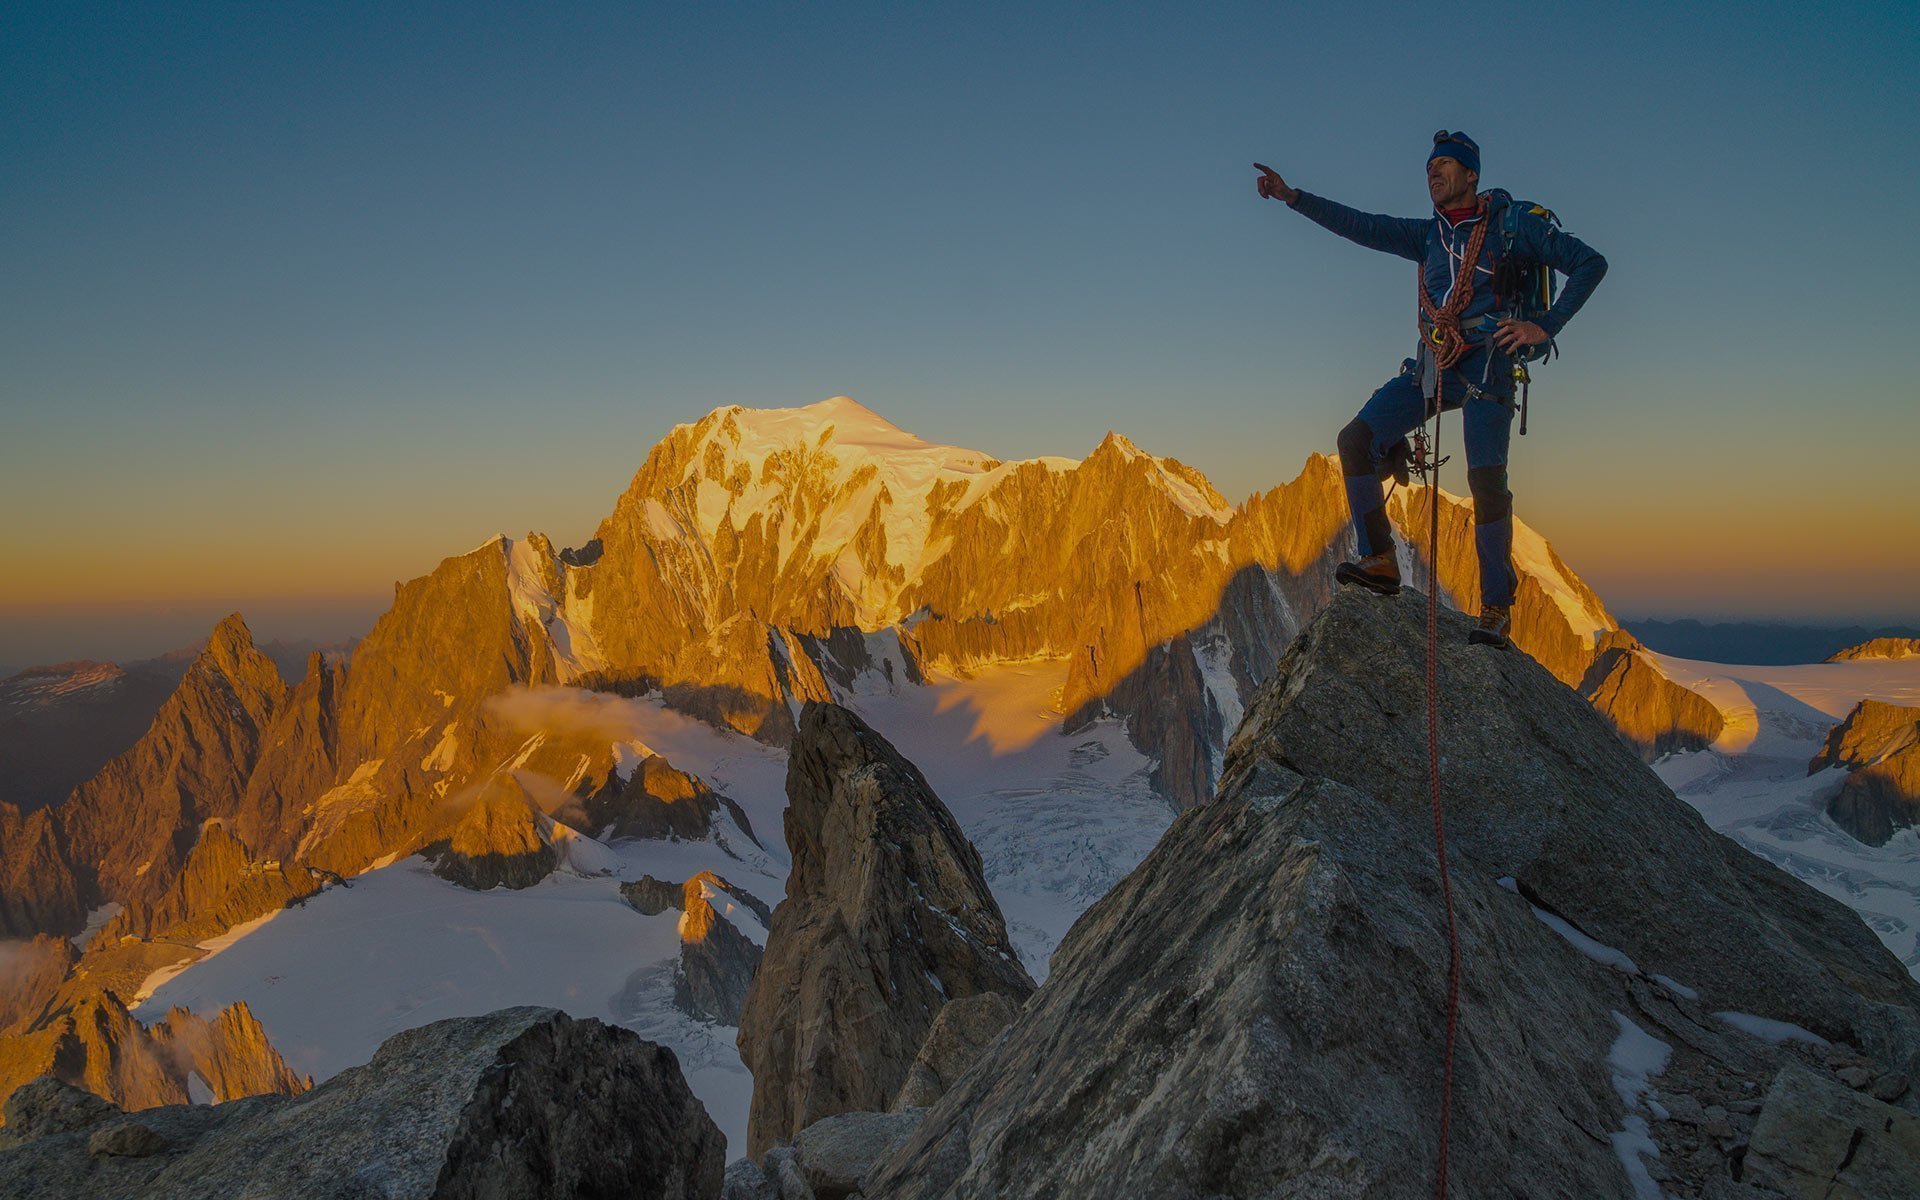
{"points": [[887, 917], [1256, 1010]]}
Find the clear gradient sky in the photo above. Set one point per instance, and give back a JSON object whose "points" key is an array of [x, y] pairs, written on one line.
{"points": [[298, 299]]}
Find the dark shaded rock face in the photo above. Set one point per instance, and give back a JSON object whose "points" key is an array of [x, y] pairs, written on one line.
{"points": [[1258, 1009], [657, 801], [524, 1102], [717, 961], [1880, 745], [887, 917], [48, 1106], [651, 896]]}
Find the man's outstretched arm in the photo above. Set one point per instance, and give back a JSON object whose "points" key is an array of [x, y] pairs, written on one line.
{"points": [[1404, 236]]}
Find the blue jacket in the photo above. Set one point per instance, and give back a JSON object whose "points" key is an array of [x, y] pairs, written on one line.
{"points": [[1439, 245]]}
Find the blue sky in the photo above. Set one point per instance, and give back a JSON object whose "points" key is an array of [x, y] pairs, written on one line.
{"points": [[302, 298]]}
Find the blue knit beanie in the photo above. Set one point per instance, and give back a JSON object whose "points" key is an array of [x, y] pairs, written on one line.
{"points": [[1457, 146]]}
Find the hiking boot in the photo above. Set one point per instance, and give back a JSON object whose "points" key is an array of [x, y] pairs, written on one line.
{"points": [[1376, 572], [1495, 621]]}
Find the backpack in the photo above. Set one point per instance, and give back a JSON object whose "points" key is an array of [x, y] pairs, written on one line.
{"points": [[1526, 289]]}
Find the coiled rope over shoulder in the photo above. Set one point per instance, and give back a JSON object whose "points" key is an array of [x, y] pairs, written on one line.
{"points": [[1443, 320]]}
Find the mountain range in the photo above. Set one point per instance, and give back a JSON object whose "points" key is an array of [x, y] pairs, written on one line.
{"points": [[526, 711]]}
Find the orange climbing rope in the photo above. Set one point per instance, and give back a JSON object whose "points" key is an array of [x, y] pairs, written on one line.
{"points": [[1443, 320], [1428, 465]]}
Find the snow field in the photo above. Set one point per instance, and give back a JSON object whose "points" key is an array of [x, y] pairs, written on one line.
{"points": [[1752, 784]]}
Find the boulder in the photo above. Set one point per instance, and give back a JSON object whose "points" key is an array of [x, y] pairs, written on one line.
{"points": [[48, 1106], [1259, 1008], [127, 1139], [887, 917], [1818, 1139], [961, 1031], [834, 1152], [745, 1180], [524, 1102]]}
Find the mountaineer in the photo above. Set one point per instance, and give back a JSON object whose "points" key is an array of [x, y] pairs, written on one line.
{"points": [[1486, 307]]}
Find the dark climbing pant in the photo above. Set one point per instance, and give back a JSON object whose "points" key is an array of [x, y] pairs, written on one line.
{"points": [[1395, 411]]}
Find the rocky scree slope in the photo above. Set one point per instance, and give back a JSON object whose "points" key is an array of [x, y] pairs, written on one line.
{"points": [[1257, 1010]]}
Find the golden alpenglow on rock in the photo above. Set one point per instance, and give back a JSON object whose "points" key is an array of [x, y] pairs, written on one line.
{"points": [[1067, 646]]}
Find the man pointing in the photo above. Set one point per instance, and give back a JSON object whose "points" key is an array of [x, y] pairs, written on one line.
{"points": [[1468, 338]]}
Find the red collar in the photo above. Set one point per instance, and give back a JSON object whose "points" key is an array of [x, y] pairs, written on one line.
{"points": [[1457, 215]]}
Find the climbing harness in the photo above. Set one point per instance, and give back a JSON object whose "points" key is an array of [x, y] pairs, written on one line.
{"points": [[1427, 462], [1526, 287], [1446, 342]]}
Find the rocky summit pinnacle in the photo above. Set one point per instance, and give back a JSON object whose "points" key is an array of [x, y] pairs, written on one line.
{"points": [[887, 917], [1259, 1008]]}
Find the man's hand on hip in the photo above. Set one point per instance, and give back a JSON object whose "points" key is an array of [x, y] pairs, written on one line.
{"points": [[1272, 186], [1510, 334]]}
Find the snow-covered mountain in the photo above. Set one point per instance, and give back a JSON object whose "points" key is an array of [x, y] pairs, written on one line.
{"points": [[1063, 647]]}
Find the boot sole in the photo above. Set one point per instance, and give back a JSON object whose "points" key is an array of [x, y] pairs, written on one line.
{"points": [[1348, 573]]}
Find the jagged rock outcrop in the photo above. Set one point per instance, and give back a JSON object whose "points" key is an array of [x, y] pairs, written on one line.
{"points": [[1871, 730], [521, 1104], [1508, 738], [887, 917], [31, 972], [655, 895], [1879, 745], [1655, 715], [97, 1045], [717, 961], [655, 800], [1257, 1009], [129, 828], [220, 886], [39, 891], [297, 762], [1880, 647], [496, 840]]}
